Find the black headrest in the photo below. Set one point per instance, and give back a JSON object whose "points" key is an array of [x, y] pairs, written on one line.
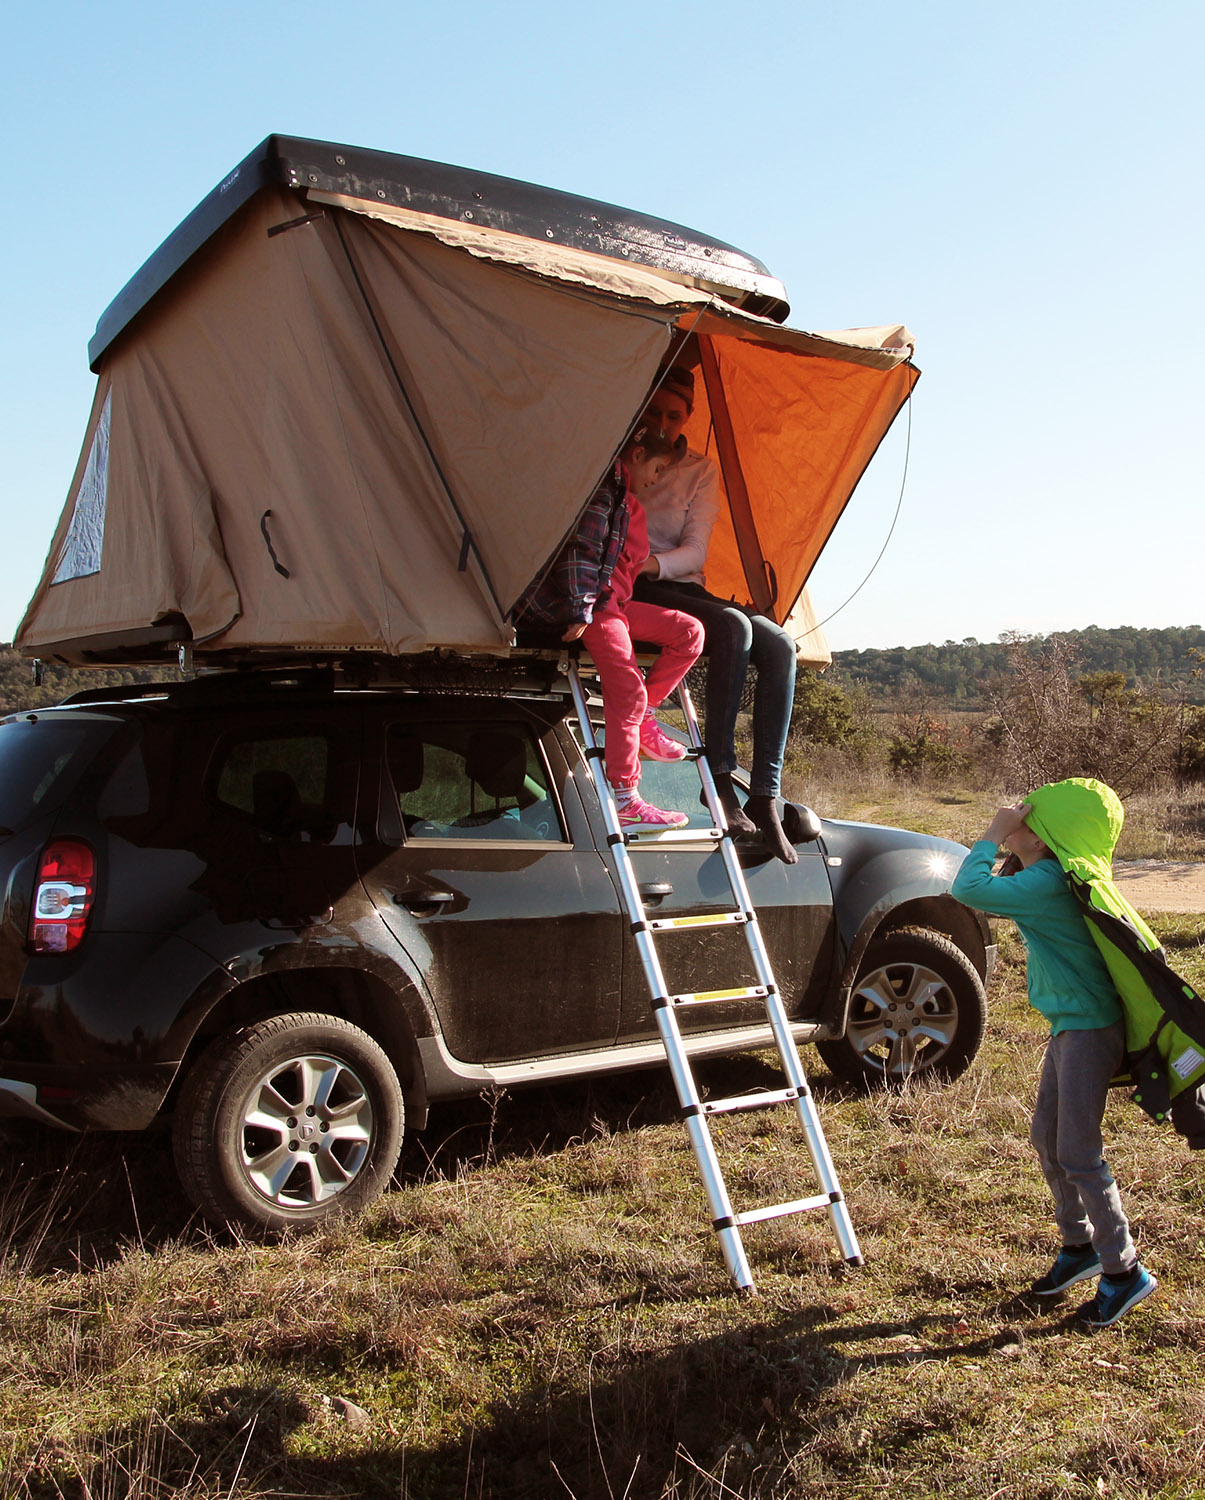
{"points": [[404, 752], [274, 797], [496, 760]]}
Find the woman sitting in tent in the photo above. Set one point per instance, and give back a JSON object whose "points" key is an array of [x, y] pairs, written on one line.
{"points": [[681, 507]]}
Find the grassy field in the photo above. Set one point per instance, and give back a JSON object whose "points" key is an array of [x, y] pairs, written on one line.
{"points": [[539, 1310], [1165, 823]]}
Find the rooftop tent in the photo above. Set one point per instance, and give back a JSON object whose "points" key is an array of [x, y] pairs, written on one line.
{"points": [[335, 413]]}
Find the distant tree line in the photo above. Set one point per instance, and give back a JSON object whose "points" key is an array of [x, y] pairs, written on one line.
{"points": [[19, 692], [958, 674], [1048, 709]]}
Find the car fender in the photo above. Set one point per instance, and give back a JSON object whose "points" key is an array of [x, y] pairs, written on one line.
{"points": [[322, 968], [885, 878]]}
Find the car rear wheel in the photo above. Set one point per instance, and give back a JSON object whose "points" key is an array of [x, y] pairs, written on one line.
{"points": [[287, 1122], [918, 1010]]}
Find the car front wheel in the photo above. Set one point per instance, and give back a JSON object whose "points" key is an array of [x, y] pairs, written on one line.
{"points": [[287, 1122], [918, 1010]]}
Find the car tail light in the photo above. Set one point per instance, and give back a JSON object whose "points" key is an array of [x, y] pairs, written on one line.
{"points": [[63, 897]]}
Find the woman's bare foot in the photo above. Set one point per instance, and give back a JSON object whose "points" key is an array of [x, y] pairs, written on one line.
{"points": [[764, 813]]}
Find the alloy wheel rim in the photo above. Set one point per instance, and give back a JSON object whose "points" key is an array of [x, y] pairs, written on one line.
{"points": [[904, 1019], [305, 1129]]}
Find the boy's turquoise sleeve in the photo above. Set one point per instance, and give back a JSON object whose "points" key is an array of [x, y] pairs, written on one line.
{"points": [[1021, 895]]}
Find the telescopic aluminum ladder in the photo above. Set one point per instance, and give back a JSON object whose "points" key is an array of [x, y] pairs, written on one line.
{"points": [[696, 1111]]}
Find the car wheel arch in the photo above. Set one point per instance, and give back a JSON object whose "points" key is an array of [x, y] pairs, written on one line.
{"points": [[966, 929], [361, 998]]}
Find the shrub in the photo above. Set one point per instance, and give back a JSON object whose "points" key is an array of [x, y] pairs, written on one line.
{"points": [[1052, 724], [826, 714]]}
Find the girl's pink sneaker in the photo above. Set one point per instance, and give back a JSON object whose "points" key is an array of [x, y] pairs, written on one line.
{"points": [[655, 744], [639, 814]]}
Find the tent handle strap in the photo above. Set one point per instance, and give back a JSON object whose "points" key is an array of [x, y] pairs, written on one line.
{"points": [[276, 562]]}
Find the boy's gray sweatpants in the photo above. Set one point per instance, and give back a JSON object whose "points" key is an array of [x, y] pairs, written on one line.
{"points": [[1066, 1135]]}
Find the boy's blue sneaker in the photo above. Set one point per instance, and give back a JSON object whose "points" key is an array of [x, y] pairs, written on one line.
{"points": [[1069, 1267], [1116, 1295]]}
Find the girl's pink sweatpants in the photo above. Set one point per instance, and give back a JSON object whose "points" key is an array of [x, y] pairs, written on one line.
{"points": [[626, 695]]}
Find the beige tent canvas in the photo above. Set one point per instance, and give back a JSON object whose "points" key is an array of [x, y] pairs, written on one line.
{"points": [[356, 402]]}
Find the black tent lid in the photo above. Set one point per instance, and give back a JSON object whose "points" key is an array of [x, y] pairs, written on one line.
{"points": [[450, 193]]}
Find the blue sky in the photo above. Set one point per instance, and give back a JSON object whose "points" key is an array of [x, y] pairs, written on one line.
{"points": [[1021, 185]]}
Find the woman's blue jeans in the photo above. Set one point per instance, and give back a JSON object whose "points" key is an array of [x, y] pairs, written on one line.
{"points": [[736, 637]]}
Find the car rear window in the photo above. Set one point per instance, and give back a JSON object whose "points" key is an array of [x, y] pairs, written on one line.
{"points": [[40, 760]]}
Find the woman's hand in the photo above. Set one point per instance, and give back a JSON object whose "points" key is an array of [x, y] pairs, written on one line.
{"points": [[652, 568], [575, 632]]}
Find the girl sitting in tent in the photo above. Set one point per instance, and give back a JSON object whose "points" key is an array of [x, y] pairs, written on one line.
{"points": [[587, 595]]}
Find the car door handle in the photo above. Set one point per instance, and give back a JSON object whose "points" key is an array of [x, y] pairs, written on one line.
{"points": [[653, 891], [421, 897]]}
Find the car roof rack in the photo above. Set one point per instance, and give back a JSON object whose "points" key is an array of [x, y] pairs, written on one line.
{"points": [[438, 672]]}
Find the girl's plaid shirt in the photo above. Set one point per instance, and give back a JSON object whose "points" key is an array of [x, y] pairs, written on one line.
{"points": [[579, 581]]}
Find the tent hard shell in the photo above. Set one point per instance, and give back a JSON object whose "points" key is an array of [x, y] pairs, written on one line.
{"points": [[356, 402]]}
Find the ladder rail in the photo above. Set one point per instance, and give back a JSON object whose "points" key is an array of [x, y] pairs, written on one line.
{"points": [[685, 1087], [695, 1111], [788, 1051]]}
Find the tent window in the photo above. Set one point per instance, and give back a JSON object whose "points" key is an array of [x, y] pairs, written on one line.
{"points": [[86, 534]]}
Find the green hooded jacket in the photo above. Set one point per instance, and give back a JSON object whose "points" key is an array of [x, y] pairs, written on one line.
{"points": [[1080, 821]]}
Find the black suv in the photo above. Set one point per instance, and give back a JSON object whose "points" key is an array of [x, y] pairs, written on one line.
{"points": [[292, 909]]}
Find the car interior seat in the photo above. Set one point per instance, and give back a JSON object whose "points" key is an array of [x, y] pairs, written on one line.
{"points": [[276, 803], [495, 761], [405, 758]]}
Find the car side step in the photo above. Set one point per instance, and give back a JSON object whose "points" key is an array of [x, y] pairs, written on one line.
{"points": [[646, 929]]}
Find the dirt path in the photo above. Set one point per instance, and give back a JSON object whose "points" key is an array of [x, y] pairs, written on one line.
{"points": [[1158, 885]]}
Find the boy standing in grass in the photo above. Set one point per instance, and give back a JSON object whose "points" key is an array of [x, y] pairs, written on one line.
{"points": [[1070, 985]]}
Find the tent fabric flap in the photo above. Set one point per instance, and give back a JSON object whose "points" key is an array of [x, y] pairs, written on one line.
{"points": [[793, 432]]}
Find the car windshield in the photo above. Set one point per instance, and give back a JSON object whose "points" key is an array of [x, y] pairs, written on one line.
{"points": [[40, 758]]}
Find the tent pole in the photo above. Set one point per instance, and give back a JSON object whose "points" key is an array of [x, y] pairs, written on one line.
{"points": [[762, 591], [467, 544]]}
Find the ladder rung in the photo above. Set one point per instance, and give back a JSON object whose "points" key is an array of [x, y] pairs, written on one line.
{"points": [[673, 836], [713, 997], [780, 1210], [717, 919], [738, 1102]]}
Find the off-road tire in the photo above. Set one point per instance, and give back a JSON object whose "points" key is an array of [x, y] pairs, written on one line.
{"points": [[918, 1011], [246, 1157]]}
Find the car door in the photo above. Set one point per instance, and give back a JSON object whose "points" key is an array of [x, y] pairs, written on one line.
{"points": [[793, 904], [479, 857]]}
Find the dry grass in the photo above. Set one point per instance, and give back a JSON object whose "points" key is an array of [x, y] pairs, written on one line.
{"points": [[539, 1310], [1163, 823]]}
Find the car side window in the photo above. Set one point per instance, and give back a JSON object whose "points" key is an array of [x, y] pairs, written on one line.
{"points": [[674, 785], [470, 780], [279, 782]]}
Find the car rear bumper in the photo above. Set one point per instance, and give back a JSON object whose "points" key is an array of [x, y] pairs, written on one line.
{"points": [[86, 1098]]}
